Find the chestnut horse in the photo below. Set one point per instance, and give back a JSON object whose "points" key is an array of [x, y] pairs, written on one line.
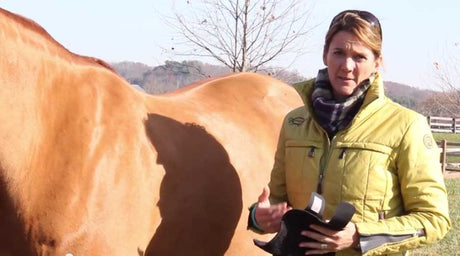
{"points": [[91, 166]]}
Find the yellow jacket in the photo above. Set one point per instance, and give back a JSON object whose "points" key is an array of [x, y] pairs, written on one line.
{"points": [[386, 163]]}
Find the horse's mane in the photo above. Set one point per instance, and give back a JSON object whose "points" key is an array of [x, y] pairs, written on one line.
{"points": [[33, 26]]}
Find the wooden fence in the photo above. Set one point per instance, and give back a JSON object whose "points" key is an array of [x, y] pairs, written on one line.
{"points": [[444, 124], [448, 151]]}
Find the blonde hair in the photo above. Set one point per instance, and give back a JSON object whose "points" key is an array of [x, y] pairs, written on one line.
{"points": [[362, 24]]}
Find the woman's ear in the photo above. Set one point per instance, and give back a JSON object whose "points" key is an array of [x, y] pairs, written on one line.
{"points": [[324, 56], [378, 63]]}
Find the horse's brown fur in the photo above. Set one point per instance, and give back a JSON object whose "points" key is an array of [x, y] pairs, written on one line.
{"points": [[90, 166]]}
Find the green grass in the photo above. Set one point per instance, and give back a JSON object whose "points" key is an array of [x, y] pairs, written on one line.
{"points": [[450, 245], [447, 136], [453, 159], [452, 138]]}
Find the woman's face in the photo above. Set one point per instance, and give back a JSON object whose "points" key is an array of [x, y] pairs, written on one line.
{"points": [[349, 62]]}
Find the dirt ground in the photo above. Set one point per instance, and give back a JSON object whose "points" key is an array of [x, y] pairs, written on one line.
{"points": [[452, 174]]}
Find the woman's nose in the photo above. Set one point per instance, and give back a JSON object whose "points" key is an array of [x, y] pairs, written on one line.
{"points": [[348, 64]]}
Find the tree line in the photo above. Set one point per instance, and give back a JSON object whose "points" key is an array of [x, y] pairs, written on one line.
{"points": [[173, 75], [249, 35]]}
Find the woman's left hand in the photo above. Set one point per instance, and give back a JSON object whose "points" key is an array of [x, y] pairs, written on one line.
{"points": [[329, 240]]}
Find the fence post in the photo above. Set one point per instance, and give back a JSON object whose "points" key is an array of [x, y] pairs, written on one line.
{"points": [[443, 155], [429, 121], [454, 125]]}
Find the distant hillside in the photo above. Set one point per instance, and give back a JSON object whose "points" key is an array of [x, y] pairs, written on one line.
{"points": [[168, 77], [173, 75], [406, 95], [132, 71]]}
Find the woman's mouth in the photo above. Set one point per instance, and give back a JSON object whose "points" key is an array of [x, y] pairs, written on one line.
{"points": [[345, 78]]}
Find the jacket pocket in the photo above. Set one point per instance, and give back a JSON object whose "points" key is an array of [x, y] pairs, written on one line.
{"points": [[367, 175], [302, 163]]}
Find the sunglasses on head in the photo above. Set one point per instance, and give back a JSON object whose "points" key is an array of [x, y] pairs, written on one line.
{"points": [[365, 15]]}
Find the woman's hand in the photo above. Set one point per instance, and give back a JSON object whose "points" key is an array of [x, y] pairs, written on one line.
{"points": [[268, 217], [329, 240]]}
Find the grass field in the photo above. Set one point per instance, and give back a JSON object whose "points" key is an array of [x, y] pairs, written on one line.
{"points": [[449, 137], [450, 245]]}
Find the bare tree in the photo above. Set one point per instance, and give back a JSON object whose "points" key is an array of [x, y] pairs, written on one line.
{"points": [[447, 73], [435, 105], [243, 35]]}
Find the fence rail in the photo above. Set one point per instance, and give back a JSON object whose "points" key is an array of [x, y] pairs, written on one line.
{"points": [[448, 151], [444, 124]]}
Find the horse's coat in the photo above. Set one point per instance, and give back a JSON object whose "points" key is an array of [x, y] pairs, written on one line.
{"points": [[91, 166]]}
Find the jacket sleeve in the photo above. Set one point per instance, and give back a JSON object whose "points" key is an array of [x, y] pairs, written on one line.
{"points": [[421, 182], [277, 182]]}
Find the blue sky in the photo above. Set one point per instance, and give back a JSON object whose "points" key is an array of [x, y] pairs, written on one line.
{"points": [[416, 32]]}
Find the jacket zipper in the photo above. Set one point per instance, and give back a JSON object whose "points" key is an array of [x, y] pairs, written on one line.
{"points": [[323, 164], [342, 154], [319, 188], [311, 153], [417, 233], [372, 241]]}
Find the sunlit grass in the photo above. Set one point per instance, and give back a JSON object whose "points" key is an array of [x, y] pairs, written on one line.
{"points": [[450, 245], [452, 138], [447, 136]]}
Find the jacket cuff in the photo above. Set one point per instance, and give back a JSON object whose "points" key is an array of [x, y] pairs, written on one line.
{"points": [[252, 223], [384, 240]]}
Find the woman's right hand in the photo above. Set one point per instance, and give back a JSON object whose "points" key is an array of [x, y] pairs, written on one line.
{"points": [[267, 216]]}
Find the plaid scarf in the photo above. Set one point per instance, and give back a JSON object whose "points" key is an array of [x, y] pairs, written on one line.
{"points": [[331, 114]]}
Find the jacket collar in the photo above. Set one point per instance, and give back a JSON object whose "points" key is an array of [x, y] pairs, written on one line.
{"points": [[374, 95]]}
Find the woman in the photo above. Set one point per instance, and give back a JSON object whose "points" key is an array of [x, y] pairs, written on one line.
{"points": [[351, 143]]}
